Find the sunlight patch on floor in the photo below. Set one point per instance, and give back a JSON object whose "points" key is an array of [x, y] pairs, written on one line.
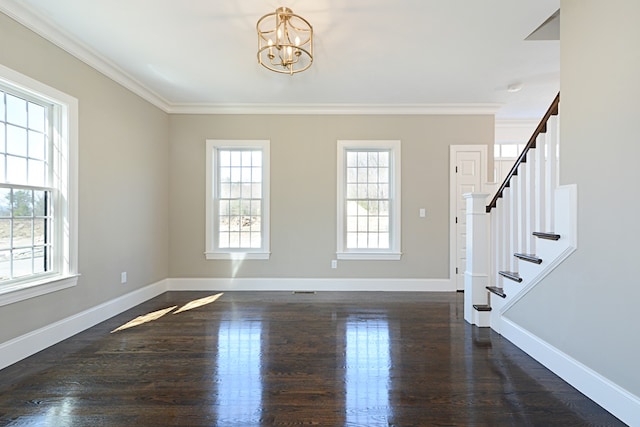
{"points": [[198, 303], [149, 317]]}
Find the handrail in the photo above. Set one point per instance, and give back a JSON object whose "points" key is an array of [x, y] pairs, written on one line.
{"points": [[542, 128]]}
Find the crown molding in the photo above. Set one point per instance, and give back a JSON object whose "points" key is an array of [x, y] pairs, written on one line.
{"points": [[338, 109], [21, 13]]}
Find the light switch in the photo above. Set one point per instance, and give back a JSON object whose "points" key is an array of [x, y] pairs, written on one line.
{"points": [[423, 212]]}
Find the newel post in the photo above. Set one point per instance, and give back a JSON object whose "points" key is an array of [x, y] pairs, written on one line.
{"points": [[476, 275]]}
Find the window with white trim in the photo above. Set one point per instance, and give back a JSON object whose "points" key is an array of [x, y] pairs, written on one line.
{"points": [[369, 200], [237, 207], [38, 225]]}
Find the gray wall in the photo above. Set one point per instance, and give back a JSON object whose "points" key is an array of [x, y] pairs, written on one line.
{"points": [[303, 191], [123, 181], [590, 302]]}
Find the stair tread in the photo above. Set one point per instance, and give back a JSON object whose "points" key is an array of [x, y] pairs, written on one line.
{"points": [[482, 307], [545, 235], [512, 275], [529, 257], [496, 290]]}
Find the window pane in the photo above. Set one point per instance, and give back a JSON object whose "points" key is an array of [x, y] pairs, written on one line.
{"points": [[256, 174], [5, 265], [352, 159], [223, 208], [352, 240], [39, 237], [256, 158], [5, 202], [22, 262], [39, 203], [246, 158], [16, 170], [383, 175], [234, 223], [509, 150], [22, 203], [36, 117], [246, 175], [223, 223], [16, 111], [362, 158], [383, 241], [225, 191], [256, 240], [39, 260], [2, 118], [36, 173], [352, 191], [3, 148], [383, 159], [22, 233], [236, 158], [16, 141], [256, 207], [224, 157], [352, 223], [223, 241], [363, 221], [256, 191], [5, 233], [352, 208], [235, 174], [352, 175], [36, 145]]}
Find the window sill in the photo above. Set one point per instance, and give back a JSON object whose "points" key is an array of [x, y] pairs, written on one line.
{"points": [[237, 255], [21, 291], [369, 256]]}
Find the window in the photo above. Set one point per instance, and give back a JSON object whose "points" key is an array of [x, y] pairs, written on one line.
{"points": [[369, 200], [237, 223], [38, 225]]}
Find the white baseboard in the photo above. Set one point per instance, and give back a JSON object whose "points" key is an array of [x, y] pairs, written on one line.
{"points": [[305, 284], [30, 343], [613, 398]]}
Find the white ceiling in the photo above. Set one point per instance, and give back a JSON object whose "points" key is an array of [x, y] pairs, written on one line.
{"points": [[370, 55]]}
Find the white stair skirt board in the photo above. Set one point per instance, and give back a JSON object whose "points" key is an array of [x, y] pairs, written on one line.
{"points": [[613, 398], [307, 284], [32, 342]]}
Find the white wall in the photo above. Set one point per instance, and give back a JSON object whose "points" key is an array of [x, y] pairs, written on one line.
{"points": [[123, 181], [587, 308], [303, 189]]}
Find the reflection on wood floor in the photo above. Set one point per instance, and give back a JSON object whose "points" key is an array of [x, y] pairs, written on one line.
{"points": [[277, 358]]}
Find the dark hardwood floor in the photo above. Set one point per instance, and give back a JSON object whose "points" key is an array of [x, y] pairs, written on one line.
{"points": [[278, 359]]}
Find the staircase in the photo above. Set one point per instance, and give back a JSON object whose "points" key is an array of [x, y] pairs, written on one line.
{"points": [[532, 227]]}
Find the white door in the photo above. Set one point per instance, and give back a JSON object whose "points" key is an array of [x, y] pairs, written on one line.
{"points": [[468, 163]]}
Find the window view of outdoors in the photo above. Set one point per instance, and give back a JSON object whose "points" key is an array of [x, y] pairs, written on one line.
{"points": [[25, 224], [240, 198], [367, 210]]}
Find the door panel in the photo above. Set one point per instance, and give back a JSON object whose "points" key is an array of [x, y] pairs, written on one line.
{"points": [[467, 180]]}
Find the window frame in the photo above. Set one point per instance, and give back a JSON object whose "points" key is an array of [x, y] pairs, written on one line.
{"points": [[212, 251], [393, 253], [63, 182]]}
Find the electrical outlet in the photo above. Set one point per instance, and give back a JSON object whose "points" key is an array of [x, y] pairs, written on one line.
{"points": [[334, 263], [123, 277]]}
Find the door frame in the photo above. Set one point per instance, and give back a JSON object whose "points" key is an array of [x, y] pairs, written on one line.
{"points": [[484, 166]]}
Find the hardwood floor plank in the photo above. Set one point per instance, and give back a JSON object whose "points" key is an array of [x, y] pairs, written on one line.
{"points": [[282, 359]]}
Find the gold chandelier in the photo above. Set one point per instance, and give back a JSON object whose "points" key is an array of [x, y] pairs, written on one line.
{"points": [[285, 42]]}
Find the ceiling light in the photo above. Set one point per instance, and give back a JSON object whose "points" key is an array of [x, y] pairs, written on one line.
{"points": [[515, 87], [285, 42]]}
